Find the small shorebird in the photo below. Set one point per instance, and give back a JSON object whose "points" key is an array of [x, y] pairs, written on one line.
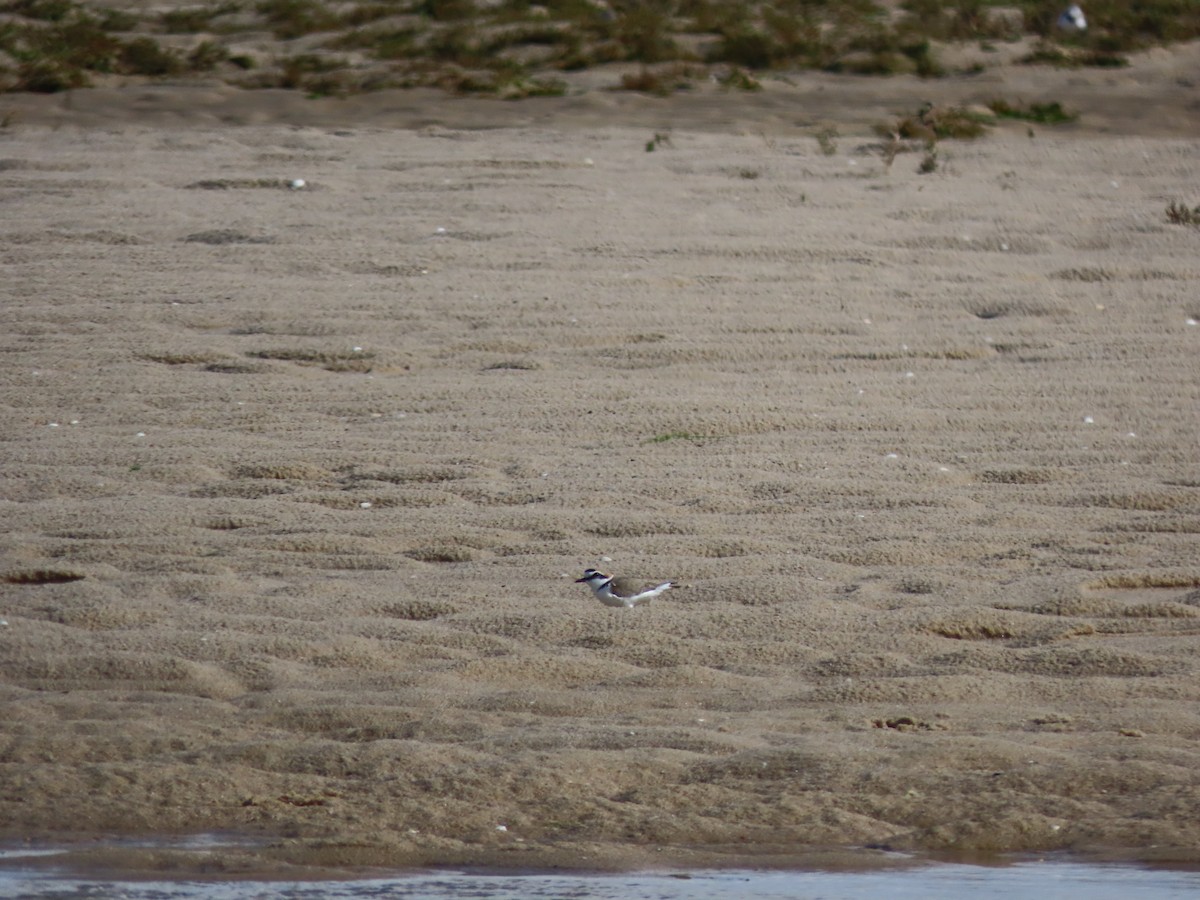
{"points": [[627, 592]]}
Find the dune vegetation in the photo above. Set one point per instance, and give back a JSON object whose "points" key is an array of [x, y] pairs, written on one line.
{"points": [[516, 48]]}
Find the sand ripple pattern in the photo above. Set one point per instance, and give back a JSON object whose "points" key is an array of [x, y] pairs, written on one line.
{"points": [[296, 482]]}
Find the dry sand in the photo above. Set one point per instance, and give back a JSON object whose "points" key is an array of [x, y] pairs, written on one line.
{"points": [[296, 482]]}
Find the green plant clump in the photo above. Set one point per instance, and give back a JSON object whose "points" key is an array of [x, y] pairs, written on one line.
{"points": [[660, 139], [1180, 214], [1040, 113], [932, 123]]}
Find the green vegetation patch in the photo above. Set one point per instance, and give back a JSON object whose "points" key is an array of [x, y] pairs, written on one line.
{"points": [[1181, 214], [513, 48], [668, 436], [1039, 113], [932, 123]]}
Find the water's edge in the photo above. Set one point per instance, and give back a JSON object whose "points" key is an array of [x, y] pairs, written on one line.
{"points": [[928, 880], [225, 858]]}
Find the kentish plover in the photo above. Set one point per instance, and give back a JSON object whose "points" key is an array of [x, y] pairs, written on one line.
{"points": [[626, 592]]}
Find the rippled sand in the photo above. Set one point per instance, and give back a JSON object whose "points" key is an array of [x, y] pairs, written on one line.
{"points": [[296, 484]]}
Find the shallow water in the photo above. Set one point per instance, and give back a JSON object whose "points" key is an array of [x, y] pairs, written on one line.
{"points": [[1044, 880]]}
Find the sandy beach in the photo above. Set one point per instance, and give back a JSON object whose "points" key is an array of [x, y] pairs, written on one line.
{"points": [[297, 479]]}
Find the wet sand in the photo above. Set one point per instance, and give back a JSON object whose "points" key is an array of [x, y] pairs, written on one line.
{"points": [[296, 482]]}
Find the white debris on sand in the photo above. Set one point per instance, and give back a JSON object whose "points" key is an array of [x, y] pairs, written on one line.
{"points": [[1072, 19]]}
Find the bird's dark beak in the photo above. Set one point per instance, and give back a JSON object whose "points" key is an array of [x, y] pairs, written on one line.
{"points": [[580, 580]]}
